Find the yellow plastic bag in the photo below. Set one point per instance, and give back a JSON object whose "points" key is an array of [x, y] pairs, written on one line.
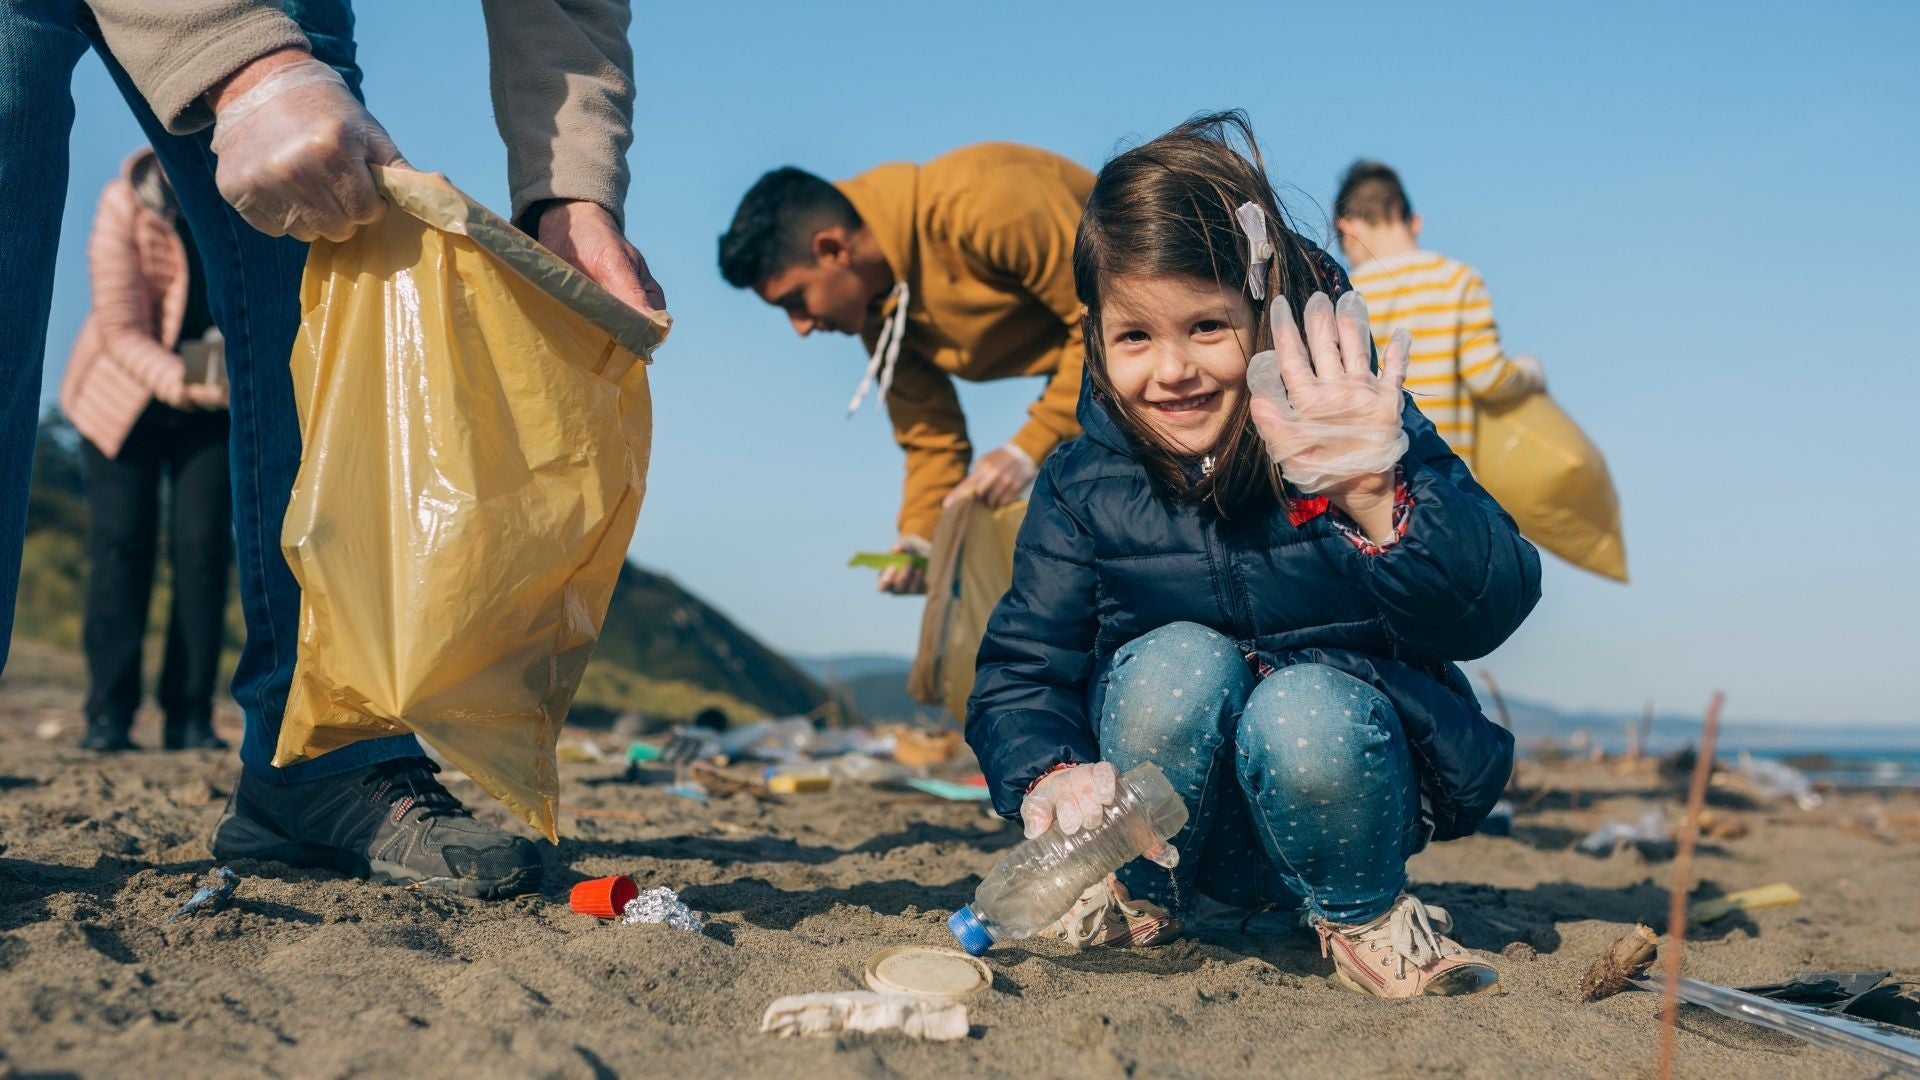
{"points": [[477, 425], [971, 569], [1532, 457]]}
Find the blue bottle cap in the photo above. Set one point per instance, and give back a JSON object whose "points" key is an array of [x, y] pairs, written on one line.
{"points": [[970, 932]]}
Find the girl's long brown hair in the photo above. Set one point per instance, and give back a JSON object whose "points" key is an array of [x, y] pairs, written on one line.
{"points": [[1167, 207]]}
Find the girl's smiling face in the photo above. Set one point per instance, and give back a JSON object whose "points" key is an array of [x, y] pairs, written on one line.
{"points": [[1176, 352]]}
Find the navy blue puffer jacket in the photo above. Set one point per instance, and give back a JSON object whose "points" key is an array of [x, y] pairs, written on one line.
{"points": [[1103, 559]]}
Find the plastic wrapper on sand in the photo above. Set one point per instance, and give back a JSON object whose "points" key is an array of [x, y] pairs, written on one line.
{"points": [[476, 424], [863, 1010]]}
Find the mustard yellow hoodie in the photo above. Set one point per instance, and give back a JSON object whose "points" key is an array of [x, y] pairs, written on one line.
{"points": [[983, 238]]}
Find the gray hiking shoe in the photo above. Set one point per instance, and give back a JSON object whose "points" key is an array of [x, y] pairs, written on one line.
{"points": [[390, 822]]}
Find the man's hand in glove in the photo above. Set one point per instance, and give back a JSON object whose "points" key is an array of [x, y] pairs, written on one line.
{"points": [[998, 478], [907, 579]]}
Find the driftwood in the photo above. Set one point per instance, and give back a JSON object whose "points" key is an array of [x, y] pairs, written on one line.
{"points": [[1627, 958]]}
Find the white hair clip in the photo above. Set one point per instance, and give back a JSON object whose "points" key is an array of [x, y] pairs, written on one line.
{"points": [[1253, 222]]}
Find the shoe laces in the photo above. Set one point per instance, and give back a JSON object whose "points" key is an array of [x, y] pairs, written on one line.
{"points": [[1407, 929], [412, 779], [1089, 914]]}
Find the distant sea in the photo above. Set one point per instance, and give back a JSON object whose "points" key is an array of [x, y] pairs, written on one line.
{"points": [[1853, 768], [1841, 755]]}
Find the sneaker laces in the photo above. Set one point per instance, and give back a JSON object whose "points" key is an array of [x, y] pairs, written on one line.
{"points": [[1089, 914], [412, 779], [1408, 929]]}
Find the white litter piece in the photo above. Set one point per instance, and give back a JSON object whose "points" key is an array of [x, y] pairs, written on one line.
{"points": [[862, 1010], [1777, 780], [1650, 828]]}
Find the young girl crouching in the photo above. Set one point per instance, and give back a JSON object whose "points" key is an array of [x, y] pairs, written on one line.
{"points": [[1254, 569]]}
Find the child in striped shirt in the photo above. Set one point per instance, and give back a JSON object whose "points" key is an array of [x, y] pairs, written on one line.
{"points": [[1456, 361]]}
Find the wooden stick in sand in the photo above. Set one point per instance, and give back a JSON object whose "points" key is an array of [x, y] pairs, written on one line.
{"points": [[1625, 960], [1682, 871]]}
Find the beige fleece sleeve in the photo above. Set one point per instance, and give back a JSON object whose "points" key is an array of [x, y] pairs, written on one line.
{"points": [[175, 50], [562, 76]]}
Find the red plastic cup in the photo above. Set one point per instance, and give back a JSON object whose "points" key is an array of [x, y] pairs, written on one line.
{"points": [[603, 898]]}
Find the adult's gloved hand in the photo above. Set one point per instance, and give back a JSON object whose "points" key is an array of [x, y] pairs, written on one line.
{"points": [[907, 580], [998, 478], [1326, 418], [1075, 798], [294, 148]]}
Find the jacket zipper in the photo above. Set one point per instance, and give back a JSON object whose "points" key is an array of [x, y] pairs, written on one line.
{"points": [[1227, 588]]}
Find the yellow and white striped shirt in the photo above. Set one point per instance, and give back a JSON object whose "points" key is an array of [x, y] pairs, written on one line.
{"points": [[1456, 358]]}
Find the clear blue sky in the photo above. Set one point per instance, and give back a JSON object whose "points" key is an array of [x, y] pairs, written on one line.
{"points": [[1700, 216]]}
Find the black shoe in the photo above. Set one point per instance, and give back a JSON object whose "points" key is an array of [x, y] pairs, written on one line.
{"points": [[107, 735], [193, 731], [390, 822]]}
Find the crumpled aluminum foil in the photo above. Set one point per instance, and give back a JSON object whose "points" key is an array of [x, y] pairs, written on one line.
{"points": [[660, 905]]}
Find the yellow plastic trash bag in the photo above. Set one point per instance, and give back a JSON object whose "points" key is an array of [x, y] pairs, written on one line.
{"points": [[477, 425], [1532, 457], [971, 569]]}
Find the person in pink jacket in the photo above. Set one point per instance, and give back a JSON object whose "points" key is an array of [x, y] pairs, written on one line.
{"points": [[146, 389]]}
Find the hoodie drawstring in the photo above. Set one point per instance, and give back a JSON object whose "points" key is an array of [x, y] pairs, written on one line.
{"points": [[886, 351]]}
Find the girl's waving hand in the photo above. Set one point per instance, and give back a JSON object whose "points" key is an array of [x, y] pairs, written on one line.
{"points": [[1328, 421]]}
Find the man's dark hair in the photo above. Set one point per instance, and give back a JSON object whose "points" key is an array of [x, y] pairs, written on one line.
{"points": [[774, 226], [1371, 191]]}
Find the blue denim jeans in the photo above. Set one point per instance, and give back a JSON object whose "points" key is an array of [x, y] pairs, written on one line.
{"points": [[253, 284], [1299, 787]]}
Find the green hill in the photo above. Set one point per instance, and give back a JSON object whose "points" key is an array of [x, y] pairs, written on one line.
{"points": [[663, 651], [667, 655]]}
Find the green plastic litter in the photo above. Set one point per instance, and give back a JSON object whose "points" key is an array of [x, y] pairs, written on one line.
{"points": [[886, 560]]}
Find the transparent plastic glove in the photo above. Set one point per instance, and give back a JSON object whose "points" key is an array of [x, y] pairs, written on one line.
{"points": [[1076, 798], [293, 153], [998, 478], [1326, 418]]}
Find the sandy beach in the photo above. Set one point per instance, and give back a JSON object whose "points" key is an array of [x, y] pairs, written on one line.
{"points": [[308, 974]]}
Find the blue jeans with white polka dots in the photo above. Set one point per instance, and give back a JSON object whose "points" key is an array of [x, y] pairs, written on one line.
{"points": [[1299, 787]]}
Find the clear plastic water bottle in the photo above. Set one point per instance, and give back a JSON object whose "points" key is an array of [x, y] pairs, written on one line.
{"points": [[1039, 881]]}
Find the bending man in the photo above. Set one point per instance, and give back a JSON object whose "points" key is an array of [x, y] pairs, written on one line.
{"points": [[959, 268]]}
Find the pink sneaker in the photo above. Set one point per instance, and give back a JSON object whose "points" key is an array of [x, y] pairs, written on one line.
{"points": [[1401, 954], [1107, 914]]}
